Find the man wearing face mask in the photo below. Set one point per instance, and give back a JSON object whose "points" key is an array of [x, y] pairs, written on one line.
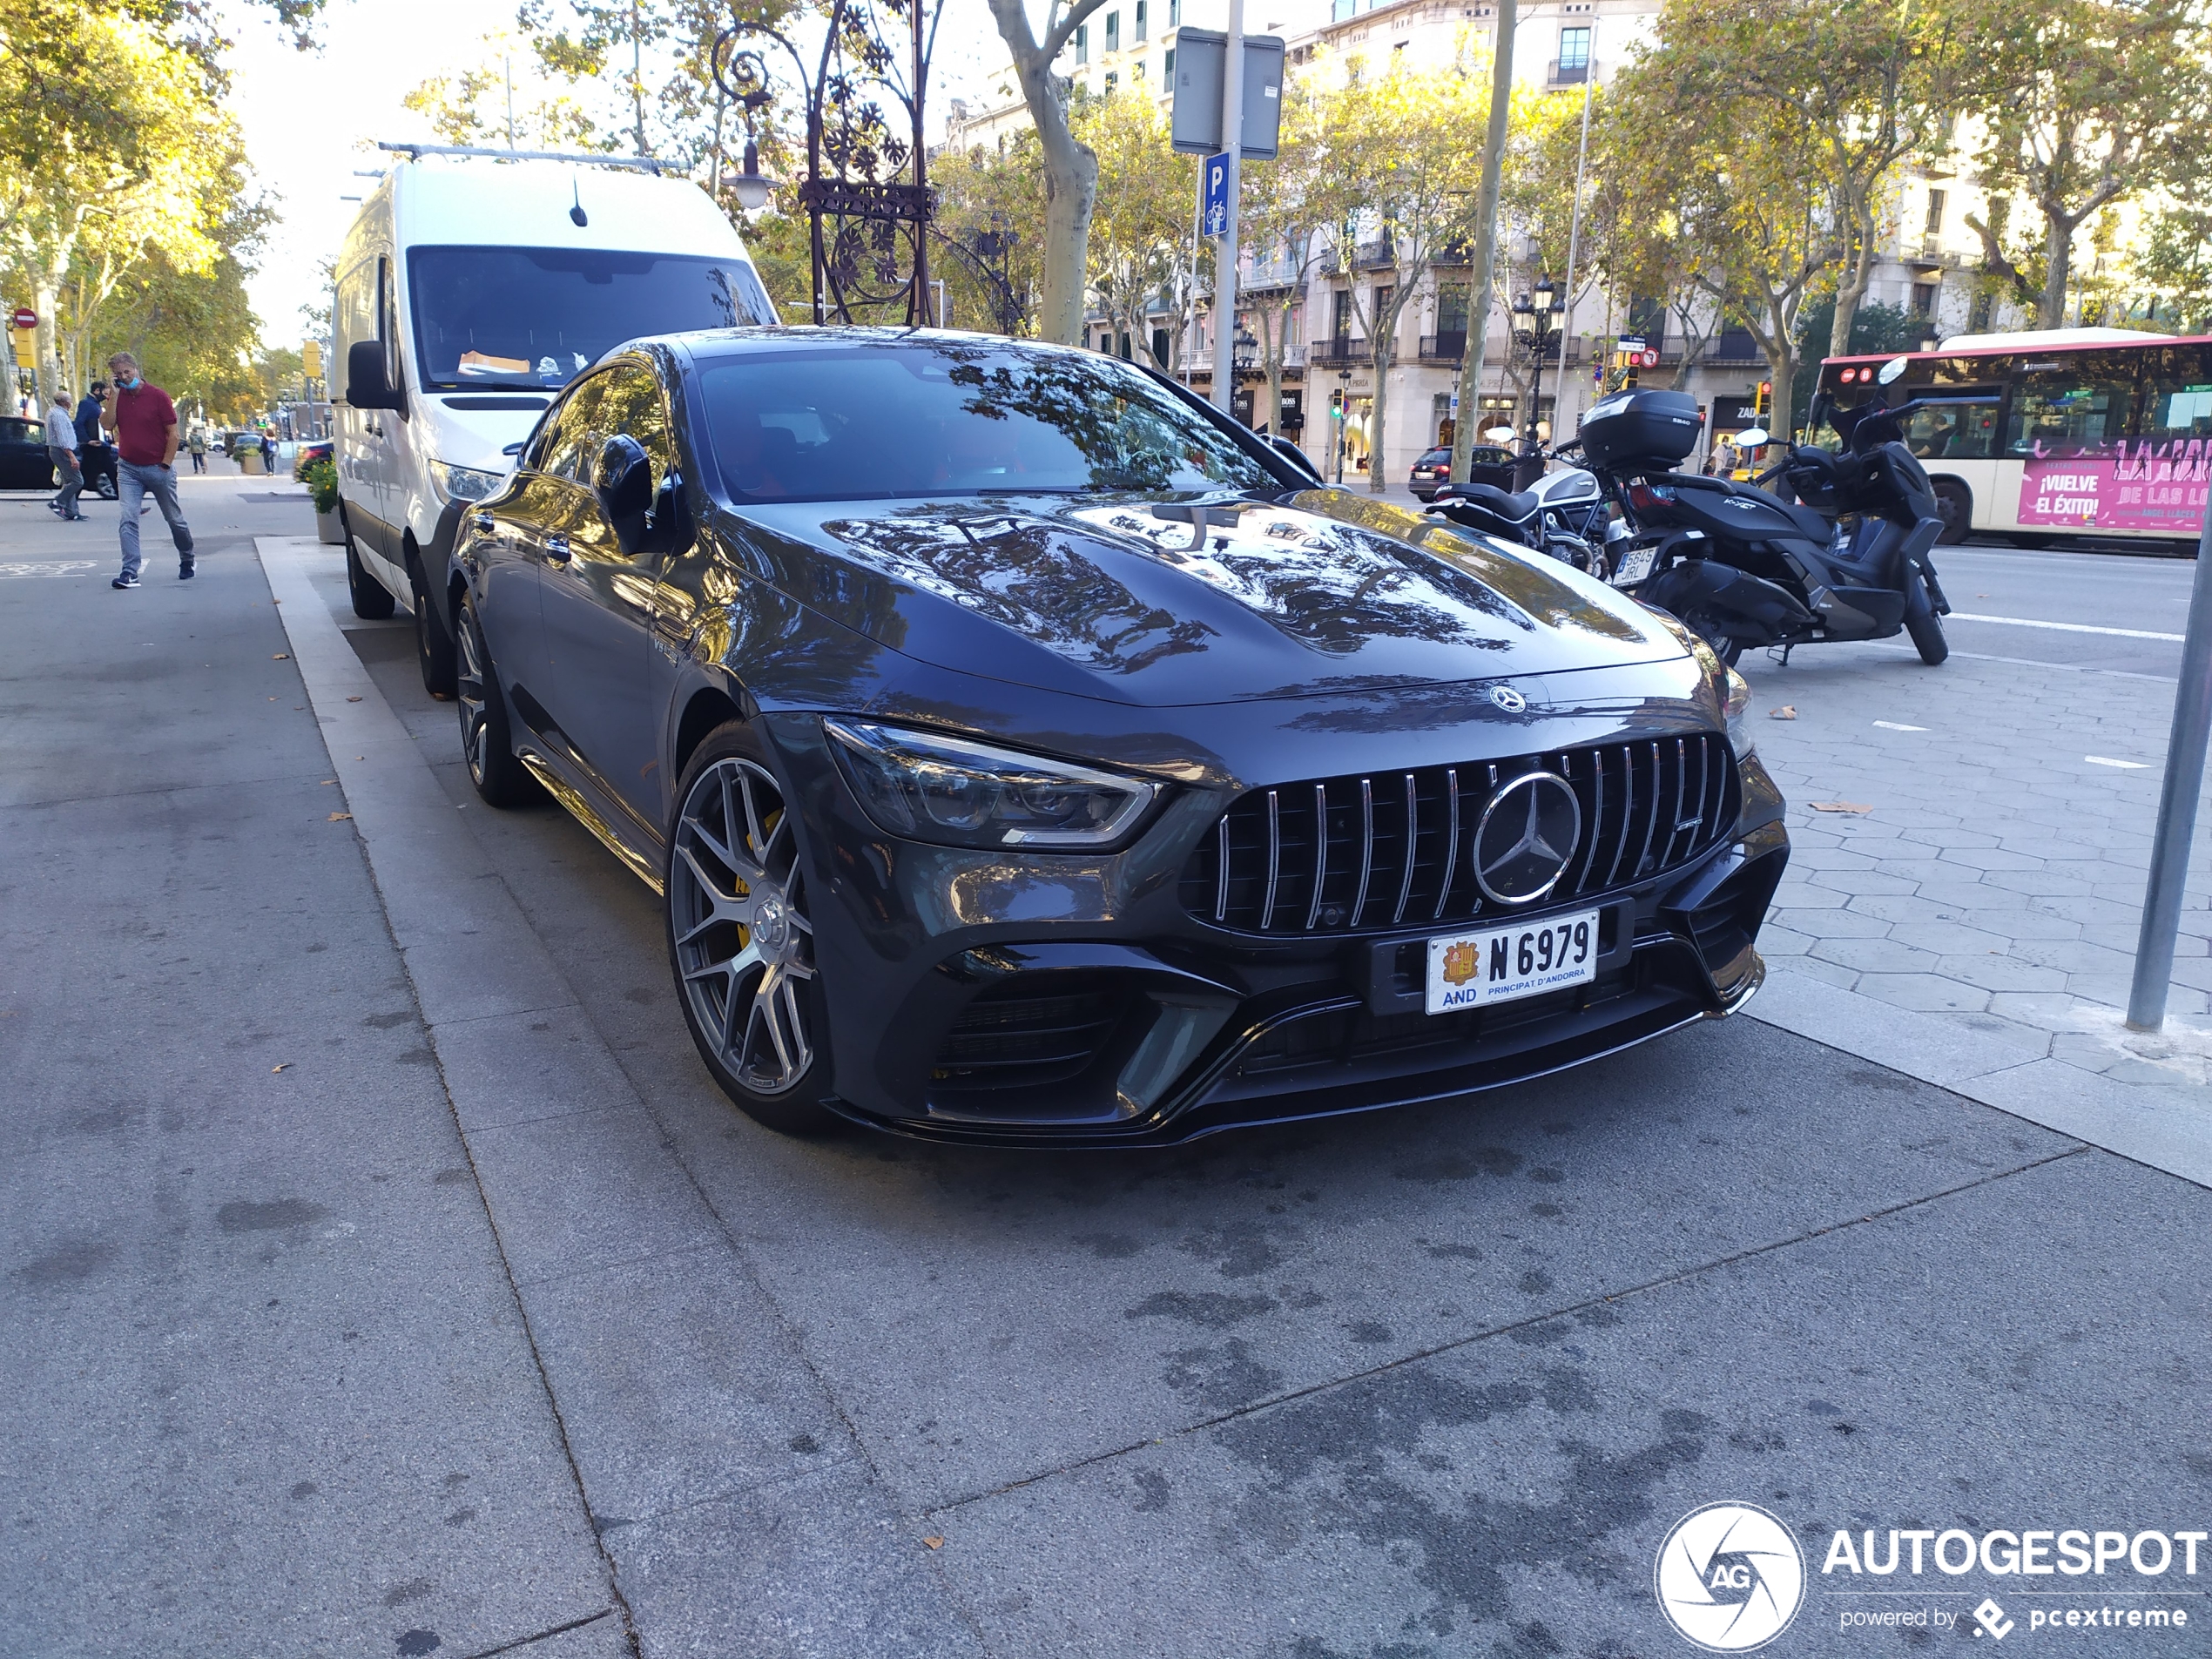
{"points": [[143, 422]]}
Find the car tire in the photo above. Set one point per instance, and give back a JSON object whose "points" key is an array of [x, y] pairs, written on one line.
{"points": [[371, 601], [739, 942], [487, 734], [434, 648], [1955, 507]]}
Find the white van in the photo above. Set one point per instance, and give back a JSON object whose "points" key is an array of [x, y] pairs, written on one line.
{"points": [[473, 285]]}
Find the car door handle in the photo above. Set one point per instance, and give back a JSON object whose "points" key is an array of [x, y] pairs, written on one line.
{"points": [[556, 548]]}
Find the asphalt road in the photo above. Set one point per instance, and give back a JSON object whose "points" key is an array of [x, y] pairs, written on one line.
{"points": [[385, 1275]]}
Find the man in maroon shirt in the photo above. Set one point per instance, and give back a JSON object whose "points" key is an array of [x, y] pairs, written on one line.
{"points": [[143, 422]]}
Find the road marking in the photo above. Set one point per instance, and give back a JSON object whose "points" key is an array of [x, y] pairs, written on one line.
{"points": [[2125, 765], [2068, 627], [1892, 725], [49, 566]]}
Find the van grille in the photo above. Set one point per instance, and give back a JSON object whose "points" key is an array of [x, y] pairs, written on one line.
{"points": [[1395, 849]]}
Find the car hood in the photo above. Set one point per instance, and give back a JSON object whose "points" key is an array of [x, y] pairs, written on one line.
{"points": [[1318, 592]]}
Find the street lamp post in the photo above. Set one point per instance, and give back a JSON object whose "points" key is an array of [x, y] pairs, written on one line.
{"points": [[1538, 333], [1344, 415]]}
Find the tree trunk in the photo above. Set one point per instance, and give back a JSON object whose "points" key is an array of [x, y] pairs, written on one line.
{"points": [[2057, 268], [1852, 288], [1486, 242], [45, 291], [1377, 408], [1070, 170]]}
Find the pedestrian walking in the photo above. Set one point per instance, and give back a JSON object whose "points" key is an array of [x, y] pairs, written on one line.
{"points": [[198, 444], [61, 449], [144, 420], [95, 458], [268, 454]]}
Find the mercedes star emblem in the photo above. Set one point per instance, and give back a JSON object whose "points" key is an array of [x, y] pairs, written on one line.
{"points": [[1527, 833], [1508, 699]]}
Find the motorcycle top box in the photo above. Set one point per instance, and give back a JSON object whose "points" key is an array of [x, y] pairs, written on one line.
{"points": [[1640, 431]]}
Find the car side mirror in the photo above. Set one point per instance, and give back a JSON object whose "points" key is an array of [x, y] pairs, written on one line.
{"points": [[623, 481], [1296, 456], [367, 387]]}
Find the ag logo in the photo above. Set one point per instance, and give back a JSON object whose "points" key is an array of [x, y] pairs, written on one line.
{"points": [[1729, 1577]]}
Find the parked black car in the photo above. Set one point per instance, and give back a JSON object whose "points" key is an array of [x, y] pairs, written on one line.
{"points": [[1025, 753], [1492, 466], [25, 463]]}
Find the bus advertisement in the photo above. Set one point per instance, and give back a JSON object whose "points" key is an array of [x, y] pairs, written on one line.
{"points": [[2056, 435]]}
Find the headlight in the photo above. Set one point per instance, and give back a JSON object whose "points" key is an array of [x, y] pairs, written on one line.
{"points": [[463, 483], [970, 794], [1736, 700]]}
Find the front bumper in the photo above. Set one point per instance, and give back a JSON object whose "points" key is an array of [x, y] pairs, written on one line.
{"points": [[997, 998]]}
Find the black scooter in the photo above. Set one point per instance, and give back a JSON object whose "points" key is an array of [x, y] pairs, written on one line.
{"points": [[1848, 561]]}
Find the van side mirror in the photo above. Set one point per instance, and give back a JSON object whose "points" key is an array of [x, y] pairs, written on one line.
{"points": [[623, 482], [366, 385]]}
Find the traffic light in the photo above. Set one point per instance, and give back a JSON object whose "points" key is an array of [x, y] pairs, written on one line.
{"points": [[1628, 380], [1765, 399], [1336, 405]]}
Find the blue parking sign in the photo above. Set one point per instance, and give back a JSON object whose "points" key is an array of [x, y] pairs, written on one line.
{"points": [[1213, 195]]}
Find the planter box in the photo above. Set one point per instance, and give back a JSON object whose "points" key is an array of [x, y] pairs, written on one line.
{"points": [[249, 461], [326, 529]]}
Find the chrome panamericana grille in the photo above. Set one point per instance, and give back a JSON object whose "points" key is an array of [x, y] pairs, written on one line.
{"points": [[1396, 849]]}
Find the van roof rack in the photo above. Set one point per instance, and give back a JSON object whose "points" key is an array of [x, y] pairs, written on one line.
{"points": [[643, 163]]}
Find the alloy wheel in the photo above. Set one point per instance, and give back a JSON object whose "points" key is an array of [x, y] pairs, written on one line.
{"points": [[470, 693], [745, 949]]}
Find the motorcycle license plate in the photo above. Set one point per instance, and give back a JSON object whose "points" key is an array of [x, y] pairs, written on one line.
{"points": [[1633, 567], [1468, 970]]}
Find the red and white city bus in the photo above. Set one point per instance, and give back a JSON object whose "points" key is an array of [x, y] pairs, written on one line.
{"points": [[2058, 434]]}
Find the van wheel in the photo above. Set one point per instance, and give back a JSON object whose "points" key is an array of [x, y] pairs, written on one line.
{"points": [[370, 600], [434, 651], [1955, 507]]}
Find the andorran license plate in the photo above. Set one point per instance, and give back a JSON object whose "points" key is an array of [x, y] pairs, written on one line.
{"points": [[1636, 564], [1497, 964]]}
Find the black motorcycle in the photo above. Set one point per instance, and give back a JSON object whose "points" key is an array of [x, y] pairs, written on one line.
{"points": [[1562, 514], [1848, 560]]}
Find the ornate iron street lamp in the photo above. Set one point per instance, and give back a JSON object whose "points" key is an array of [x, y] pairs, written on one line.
{"points": [[1538, 336], [865, 189]]}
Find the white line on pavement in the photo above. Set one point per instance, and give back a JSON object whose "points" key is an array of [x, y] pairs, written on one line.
{"points": [[2067, 627], [2125, 765], [1892, 726]]}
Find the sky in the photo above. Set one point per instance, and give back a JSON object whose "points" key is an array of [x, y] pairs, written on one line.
{"points": [[310, 120]]}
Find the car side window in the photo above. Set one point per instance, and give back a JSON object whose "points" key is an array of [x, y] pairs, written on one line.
{"points": [[565, 446], [634, 406]]}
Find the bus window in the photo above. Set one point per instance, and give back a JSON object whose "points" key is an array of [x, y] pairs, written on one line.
{"points": [[2179, 406], [1954, 432], [2061, 407]]}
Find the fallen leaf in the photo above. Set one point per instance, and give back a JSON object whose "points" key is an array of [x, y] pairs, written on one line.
{"points": [[287, 1066], [281, 657], [1840, 806], [329, 780], [935, 1543], [336, 817], [1787, 712], [352, 699]]}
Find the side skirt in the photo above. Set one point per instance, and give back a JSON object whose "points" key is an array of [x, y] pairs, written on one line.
{"points": [[586, 813]]}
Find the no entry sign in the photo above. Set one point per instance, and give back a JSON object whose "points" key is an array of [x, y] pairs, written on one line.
{"points": [[24, 318]]}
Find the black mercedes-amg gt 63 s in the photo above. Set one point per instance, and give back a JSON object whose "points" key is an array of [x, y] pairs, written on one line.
{"points": [[1026, 754]]}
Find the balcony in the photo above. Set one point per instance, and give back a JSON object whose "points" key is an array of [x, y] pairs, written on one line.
{"points": [[1455, 253], [1558, 74], [1376, 255], [1261, 275], [1340, 352], [1444, 348]]}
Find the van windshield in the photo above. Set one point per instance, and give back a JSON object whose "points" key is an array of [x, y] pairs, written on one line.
{"points": [[537, 317]]}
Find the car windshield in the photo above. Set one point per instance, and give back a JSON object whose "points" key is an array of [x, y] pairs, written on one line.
{"points": [[537, 317], [954, 418]]}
